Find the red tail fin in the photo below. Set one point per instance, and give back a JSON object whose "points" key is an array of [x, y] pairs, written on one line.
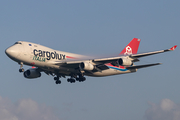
{"points": [[131, 48]]}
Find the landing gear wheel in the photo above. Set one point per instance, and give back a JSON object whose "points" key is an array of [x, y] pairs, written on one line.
{"points": [[21, 70], [71, 80], [77, 79], [58, 82], [82, 79], [55, 78]]}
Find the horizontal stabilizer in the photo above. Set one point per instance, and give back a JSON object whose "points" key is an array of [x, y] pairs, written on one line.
{"points": [[142, 66]]}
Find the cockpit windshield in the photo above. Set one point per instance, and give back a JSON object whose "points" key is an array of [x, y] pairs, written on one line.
{"points": [[17, 43]]}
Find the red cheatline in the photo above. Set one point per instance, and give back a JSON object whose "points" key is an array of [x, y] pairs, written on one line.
{"points": [[70, 57]]}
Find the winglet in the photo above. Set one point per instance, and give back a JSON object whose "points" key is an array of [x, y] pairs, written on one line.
{"points": [[173, 48]]}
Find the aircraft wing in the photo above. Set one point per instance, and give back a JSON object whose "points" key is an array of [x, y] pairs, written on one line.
{"points": [[152, 53], [100, 63], [133, 58]]}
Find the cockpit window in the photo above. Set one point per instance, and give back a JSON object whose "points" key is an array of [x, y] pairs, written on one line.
{"points": [[17, 43]]}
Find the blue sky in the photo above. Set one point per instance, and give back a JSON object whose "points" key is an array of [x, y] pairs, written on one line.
{"points": [[98, 27]]}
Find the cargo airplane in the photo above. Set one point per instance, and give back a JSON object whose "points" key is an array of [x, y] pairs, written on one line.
{"points": [[61, 64]]}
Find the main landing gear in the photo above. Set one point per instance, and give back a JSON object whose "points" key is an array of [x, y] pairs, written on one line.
{"points": [[81, 78], [71, 80], [57, 80], [21, 69], [74, 77]]}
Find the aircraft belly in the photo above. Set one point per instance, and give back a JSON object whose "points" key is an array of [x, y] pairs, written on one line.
{"points": [[61, 70]]}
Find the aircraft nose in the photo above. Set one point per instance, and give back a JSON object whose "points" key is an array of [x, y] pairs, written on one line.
{"points": [[11, 52]]}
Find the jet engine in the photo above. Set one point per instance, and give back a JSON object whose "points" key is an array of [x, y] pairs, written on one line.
{"points": [[86, 66], [125, 62], [32, 73]]}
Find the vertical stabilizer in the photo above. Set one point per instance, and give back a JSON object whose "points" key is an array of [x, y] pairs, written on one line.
{"points": [[131, 48]]}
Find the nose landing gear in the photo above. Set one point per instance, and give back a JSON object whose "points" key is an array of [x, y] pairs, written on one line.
{"points": [[21, 69]]}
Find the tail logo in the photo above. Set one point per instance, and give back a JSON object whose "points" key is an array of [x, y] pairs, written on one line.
{"points": [[173, 48], [128, 50]]}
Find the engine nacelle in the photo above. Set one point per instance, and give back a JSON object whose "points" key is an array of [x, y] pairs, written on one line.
{"points": [[125, 62], [32, 73], [86, 66]]}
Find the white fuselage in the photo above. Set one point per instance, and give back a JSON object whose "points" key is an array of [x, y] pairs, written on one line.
{"points": [[45, 58]]}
